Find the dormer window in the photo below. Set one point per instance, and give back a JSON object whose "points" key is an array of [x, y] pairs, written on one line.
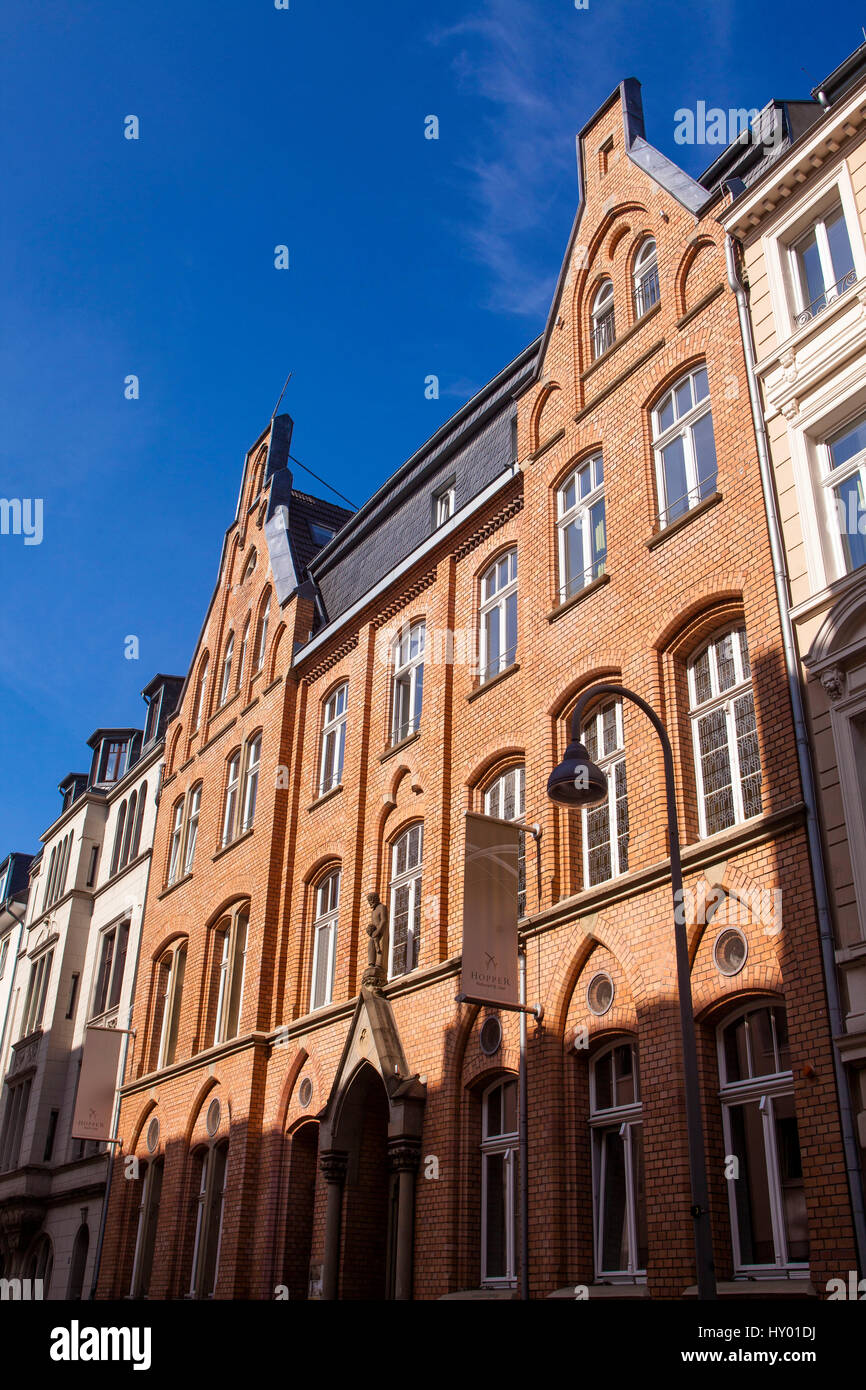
{"points": [[113, 754], [152, 724], [443, 505], [321, 534]]}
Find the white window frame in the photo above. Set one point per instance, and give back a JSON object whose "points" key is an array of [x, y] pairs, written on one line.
{"points": [[443, 505], [579, 515], [37, 992], [493, 1146], [225, 683], [231, 969], [498, 603], [683, 426], [645, 278], [512, 781], [190, 837], [410, 877], [608, 763], [603, 319], [242, 659], [333, 741], [233, 784], [409, 649], [110, 940], [830, 479], [628, 1117], [834, 286], [201, 695], [252, 764], [172, 998], [325, 935], [763, 1089], [723, 700], [175, 841], [262, 646]]}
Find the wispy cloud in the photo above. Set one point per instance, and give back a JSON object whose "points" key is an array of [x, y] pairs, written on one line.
{"points": [[523, 150]]}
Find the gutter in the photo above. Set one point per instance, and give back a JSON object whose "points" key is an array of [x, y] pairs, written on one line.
{"points": [[804, 759]]}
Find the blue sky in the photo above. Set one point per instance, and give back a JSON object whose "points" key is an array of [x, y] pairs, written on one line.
{"points": [[260, 127]]}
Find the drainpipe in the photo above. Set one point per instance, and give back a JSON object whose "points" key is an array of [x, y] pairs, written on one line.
{"points": [[804, 759]]}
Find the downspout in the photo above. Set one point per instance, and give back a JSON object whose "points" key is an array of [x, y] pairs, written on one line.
{"points": [[804, 759]]}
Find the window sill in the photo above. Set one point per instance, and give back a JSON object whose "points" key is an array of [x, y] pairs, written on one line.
{"points": [[171, 886], [326, 796], [218, 735], [691, 515], [700, 306], [253, 702], [494, 680], [577, 598], [756, 1286], [239, 839], [548, 444], [394, 748], [597, 1291]]}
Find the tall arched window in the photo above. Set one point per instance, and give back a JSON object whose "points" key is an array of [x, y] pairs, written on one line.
{"points": [[505, 799], [226, 677], [229, 956], [580, 527], [139, 821], [499, 615], [725, 735], [191, 835], [327, 909], [408, 688], [251, 782], [605, 825], [405, 897], [262, 643], [212, 1165], [603, 324], [499, 1186], [130, 829], [170, 971], [684, 447], [148, 1220], [175, 841], [619, 1199], [765, 1184], [333, 739], [118, 838], [46, 900], [646, 278], [233, 775], [242, 656], [201, 695], [250, 566]]}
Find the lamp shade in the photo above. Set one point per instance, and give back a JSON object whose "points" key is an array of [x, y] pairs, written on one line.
{"points": [[577, 781]]}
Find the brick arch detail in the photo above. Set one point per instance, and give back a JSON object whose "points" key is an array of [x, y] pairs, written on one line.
{"points": [[576, 950], [703, 604], [138, 1128], [211, 1084]]}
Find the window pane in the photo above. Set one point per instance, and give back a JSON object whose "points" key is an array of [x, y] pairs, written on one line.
{"points": [[703, 686], [573, 551], [840, 246], [604, 1082], [510, 629], [625, 1085], [598, 844], [666, 414], [809, 263], [683, 397], [598, 537], [509, 1107], [735, 1050], [496, 1212], [614, 1224], [747, 754], [675, 485], [852, 441], [761, 1043], [751, 1188], [791, 1178], [705, 455], [494, 1112], [715, 771], [725, 662], [700, 384], [851, 516]]}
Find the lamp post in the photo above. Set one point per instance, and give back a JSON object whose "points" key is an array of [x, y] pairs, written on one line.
{"points": [[577, 782]]}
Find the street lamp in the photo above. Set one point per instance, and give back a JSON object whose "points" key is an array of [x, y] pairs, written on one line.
{"points": [[578, 782]]}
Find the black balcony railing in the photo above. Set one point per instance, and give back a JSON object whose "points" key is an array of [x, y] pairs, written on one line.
{"points": [[603, 335], [646, 292]]}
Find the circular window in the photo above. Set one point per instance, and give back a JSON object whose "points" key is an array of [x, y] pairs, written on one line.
{"points": [[152, 1135], [730, 951], [599, 993], [491, 1035], [212, 1121], [305, 1094]]}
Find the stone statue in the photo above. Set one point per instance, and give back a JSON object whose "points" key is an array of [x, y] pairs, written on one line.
{"points": [[377, 945]]}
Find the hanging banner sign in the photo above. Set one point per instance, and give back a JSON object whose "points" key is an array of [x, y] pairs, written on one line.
{"points": [[97, 1084], [490, 885]]}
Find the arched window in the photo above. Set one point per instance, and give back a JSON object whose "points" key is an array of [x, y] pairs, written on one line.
{"points": [[765, 1181], [201, 695], [46, 901], [327, 911], [233, 775], [605, 825], [174, 842], [499, 1186], [118, 838], [262, 643], [170, 971], [504, 799], [724, 732], [581, 528], [405, 894], [130, 828], [684, 447], [499, 615], [63, 867], [79, 1264], [40, 1263], [408, 689], [242, 657], [249, 567], [603, 325], [333, 739], [191, 835], [251, 782], [228, 971], [212, 1164], [226, 678], [619, 1199], [148, 1220], [646, 278], [139, 821]]}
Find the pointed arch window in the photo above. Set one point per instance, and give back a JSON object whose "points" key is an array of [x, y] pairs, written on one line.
{"points": [[193, 812], [226, 678], [605, 825], [228, 973], [242, 656], [646, 278], [505, 799], [262, 644], [201, 695], [405, 898], [603, 323], [175, 841], [499, 616], [619, 1196], [118, 838], [327, 910], [170, 973], [139, 821]]}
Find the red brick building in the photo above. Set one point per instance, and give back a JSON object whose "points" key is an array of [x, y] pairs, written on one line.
{"points": [[594, 513]]}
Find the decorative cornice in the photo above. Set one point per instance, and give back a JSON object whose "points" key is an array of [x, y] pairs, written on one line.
{"points": [[505, 513], [336, 654], [406, 596]]}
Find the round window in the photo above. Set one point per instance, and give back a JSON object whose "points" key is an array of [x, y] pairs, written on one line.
{"points": [[305, 1094], [491, 1035], [599, 993], [730, 951], [152, 1135], [212, 1121]]}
